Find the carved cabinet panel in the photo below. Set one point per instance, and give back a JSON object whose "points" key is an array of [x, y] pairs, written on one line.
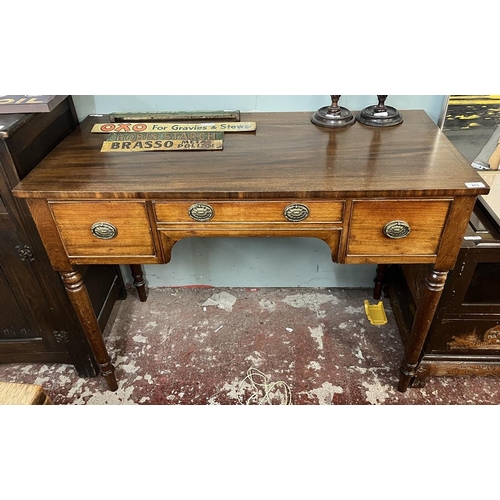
{"points": [[37, 323], [15, 324], [16, 304]]}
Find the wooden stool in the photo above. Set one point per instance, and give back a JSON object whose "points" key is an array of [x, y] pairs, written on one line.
{"points": [[22, 394]]}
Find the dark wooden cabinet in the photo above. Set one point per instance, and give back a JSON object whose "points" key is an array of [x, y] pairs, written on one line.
{"points": [[464, 338], [37, 322]]}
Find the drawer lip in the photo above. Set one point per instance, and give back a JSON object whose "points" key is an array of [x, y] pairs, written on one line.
{"points": [[264, 211]]}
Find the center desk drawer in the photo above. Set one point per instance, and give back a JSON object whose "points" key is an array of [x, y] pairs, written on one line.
{"points": [[104, 228], [249, 212], [394, 228]]}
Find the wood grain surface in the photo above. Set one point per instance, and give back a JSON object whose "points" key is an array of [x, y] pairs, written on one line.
{"points": [[286, 157], [133, 238], [22, 394], [250, 211]]}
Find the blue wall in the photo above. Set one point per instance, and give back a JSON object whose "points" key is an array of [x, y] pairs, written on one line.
{"points": [[85, 105], [252, 262]]}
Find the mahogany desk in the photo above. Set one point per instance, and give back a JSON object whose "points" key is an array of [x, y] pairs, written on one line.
{"points": [[400, 194]]}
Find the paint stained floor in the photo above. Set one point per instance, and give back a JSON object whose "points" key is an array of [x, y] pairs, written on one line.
{"points": [[231, 346]]}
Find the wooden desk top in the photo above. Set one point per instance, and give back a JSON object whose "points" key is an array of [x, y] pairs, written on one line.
{"points": [[287, 157]]}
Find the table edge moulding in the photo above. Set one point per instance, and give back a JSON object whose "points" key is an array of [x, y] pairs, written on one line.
{"points": [[396, 195]]}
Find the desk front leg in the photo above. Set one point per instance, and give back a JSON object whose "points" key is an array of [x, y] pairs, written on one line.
{"points": [[77, 292], [426, 309]]}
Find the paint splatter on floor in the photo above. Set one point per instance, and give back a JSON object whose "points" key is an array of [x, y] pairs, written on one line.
{"points": [[194, 346]]}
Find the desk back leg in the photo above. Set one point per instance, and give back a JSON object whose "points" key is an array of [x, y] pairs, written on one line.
{"points": [[379, 280], [139, 281], [77, 292]]}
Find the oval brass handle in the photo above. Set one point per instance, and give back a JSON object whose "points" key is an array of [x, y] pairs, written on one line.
{"points": [[201, 212], [104, 230], [296, 212], [396, 229]]}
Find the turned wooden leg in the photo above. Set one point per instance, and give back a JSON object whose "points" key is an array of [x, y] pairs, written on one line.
{"points": [[431, 293], [379, 280], [77, 292], [139, 281]]}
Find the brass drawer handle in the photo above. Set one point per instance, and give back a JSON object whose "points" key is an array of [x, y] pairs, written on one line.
{"points": [[296, 212], [104, 230], [201, 212], [396, 229]]}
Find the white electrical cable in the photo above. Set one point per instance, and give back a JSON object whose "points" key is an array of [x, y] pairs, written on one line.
{"points": [[264, 391]]}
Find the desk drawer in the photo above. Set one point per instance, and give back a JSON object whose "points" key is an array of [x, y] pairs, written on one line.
{"points": [[249, 212], [103, 229], [391, 228]]}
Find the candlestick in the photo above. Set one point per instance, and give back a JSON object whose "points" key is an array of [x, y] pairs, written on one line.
{"points": [[380, 115], [333, 116]]}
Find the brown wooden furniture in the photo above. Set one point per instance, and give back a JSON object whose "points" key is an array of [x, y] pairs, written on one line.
{"points": [[464, 337], [23, 394], [37, 322], [400, 194]]}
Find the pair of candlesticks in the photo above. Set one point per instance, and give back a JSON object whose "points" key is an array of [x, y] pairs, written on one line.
{"points": [[335, 116]]}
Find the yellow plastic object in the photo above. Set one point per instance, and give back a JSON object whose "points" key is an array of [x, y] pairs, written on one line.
{"points": [[375, 313]]}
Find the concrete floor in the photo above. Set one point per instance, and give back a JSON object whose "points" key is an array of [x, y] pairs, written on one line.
{"points": [[227, 346]]}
